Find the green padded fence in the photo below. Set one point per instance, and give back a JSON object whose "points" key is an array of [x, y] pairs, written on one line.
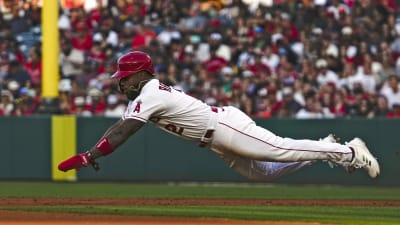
{"points": [[153, 155]]}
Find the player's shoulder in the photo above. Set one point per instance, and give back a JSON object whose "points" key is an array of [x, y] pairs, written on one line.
{"points": [[150, 87], [155, 89], [153, 83], [155, 86]]}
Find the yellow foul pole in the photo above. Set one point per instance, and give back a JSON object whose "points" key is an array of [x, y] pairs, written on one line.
{"points": [[63, 128], [50, 49]]}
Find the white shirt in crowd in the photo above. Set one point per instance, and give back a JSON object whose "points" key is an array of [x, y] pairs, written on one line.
{"points": [[70, 65], [112, 38], [328, 77], [392, 97]]}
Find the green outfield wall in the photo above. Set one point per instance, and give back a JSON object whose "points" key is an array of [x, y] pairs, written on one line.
{"points": [[31, 148], [25, 148]]}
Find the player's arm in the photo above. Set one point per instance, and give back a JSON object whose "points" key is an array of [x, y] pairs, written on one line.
{"points": [[115, 136]]}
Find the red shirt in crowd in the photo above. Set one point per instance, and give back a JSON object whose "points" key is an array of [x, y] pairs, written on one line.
{"points": [[97, 108], [84, 43], [83, 40], [143, 39], [260, 68], [215, 64], [35, 71], [393, 114]]}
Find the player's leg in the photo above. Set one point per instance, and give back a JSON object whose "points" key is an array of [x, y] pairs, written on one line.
{"points": [[261, 144], [265, 171], [237, 133], [259, 170]]}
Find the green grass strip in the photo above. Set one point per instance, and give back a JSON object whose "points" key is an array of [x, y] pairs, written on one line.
{"points": [[230, 191], [337, 215]]}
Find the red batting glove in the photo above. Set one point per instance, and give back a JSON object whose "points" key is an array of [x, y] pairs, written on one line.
{"points": [[77, 162]]}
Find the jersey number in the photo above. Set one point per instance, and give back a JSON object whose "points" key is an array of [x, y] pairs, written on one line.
{"points": [[164, 87], [170, 127], [175, 129]]}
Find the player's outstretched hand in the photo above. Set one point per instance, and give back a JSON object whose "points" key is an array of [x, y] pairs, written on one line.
{"points": [[77, 162]]}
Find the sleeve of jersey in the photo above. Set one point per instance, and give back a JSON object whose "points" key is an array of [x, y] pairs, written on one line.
{"points": [[144, 106]]}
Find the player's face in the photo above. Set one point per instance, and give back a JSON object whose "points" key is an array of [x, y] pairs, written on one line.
{"points": [[131, 85], [128, 86]]}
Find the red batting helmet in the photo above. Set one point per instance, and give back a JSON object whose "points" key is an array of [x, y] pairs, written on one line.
{"points": [[133, 62]]}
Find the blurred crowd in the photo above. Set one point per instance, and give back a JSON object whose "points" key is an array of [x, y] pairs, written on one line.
{"points": [[285, 59]]}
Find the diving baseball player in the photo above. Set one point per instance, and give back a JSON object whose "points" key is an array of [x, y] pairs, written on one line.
{"points": [[251, 150]]}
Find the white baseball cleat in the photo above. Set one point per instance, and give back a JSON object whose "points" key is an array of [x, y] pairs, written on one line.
{"points": [[363, 158], [332, 138]]}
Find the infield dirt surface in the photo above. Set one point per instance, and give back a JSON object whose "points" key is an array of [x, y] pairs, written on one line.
{"points": [[36, 218]]}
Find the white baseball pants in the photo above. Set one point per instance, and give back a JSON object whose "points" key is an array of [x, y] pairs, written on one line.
{"points": [[259, 154]]}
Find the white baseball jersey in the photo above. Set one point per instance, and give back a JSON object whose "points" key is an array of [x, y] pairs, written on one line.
{"points": [[253, 151], [171, 110]]}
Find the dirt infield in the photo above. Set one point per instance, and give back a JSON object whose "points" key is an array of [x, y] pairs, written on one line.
{"points": [[228, 202], [36, 218], [39, 218]]}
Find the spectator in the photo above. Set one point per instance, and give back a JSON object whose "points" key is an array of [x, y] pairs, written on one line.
{"points": [[196, 21], [170, 33], [6, 104], [214, 64], [26, 104], [391, 90], [325, 75], [289, 103], [17, 73], [33, 66], [312, 110], [248, 107], [125, 36], [95, 60], [338, 108], [65, 100], [364, 109], [221, 50], [18, 23], [270, 59], [95, 103], [187, 82], [387, 69], [226, 79], [394, 112], [143, 36], [264, 106], [237, 93], [342, 53], [114, 107], [6, 56], [82, 39], [382, 108], [366, 78], [79, 108], [71, 60], [106, 35], [258, 66]]}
